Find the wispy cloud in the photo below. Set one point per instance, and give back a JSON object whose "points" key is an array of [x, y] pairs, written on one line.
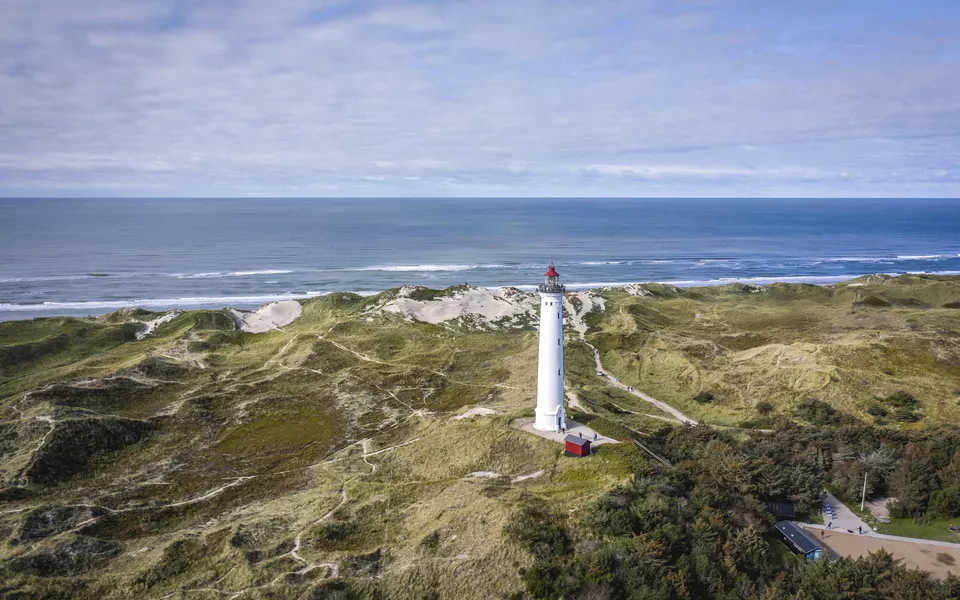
{"points": [[402, 97]]}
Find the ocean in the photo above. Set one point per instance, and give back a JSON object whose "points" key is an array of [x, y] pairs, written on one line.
{"points": [[92, 256]]}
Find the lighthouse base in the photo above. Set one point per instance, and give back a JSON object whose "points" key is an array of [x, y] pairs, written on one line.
{"points": [[551, 421]]}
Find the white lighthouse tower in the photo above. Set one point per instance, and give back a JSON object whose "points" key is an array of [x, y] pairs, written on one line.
{"points": [[551, 415]]}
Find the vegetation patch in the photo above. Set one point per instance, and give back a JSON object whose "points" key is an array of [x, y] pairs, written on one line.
{"points": [[75, 444], [81, 555]]}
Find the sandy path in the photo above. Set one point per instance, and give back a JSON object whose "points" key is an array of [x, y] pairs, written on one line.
{"points": [[297, 540], [575, 402], [366, 358], [18, 479], [660, 405], [588, 301]]}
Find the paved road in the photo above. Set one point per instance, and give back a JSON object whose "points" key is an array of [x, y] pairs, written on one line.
{"points": [[843, 518]]}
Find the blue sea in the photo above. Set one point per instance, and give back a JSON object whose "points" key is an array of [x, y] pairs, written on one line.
{"points": [[92, 256]]}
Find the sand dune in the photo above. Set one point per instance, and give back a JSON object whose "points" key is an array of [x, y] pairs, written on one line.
{"points": [[268, 317], [487, 305]]}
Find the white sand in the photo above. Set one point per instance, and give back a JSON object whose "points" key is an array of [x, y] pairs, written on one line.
{"points": [[636, 289], [475, 412], [268, 317], [485, 305], [154, 323], [588, 302], [482, 475], [520, 478]]}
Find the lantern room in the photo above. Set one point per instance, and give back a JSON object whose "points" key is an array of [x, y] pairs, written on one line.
{"points": [[551, 282]]}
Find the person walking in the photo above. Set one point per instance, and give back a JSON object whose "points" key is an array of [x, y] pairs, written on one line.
{"points": [[860, 530]]}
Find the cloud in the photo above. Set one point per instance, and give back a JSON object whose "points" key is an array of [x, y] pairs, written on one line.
{"points": [[647, 97]]}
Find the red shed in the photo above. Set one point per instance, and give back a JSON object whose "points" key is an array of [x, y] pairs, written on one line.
{"points": [[576, 446]]}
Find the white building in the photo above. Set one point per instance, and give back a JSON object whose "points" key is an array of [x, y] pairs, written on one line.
{"points": [[551, 416]]}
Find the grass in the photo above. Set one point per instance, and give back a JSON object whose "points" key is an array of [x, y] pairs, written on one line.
{"points": [[288, 410], [787, 343], [932, 529]]}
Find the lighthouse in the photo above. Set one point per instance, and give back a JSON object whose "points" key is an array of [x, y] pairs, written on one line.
{"points": [[551, 415]]}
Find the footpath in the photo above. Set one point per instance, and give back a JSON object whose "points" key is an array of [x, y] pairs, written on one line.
{"points": [[663, 406]]}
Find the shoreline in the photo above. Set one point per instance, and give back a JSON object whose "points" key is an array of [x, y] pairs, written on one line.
{"points": [[97, 308]]}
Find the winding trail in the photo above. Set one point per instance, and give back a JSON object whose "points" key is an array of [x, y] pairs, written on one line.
{"points": [[659, 404], [576, 320], [366, 358], [294, 552], [18, 480]]}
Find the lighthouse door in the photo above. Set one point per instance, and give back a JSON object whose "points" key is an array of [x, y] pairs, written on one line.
{"points": [[561, 418]]}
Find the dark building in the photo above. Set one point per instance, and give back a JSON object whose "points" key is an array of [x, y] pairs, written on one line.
{"points": [[574, 445], [781, 510], [798, 540]]}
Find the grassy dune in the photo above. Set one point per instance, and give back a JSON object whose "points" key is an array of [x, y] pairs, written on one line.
{"points": [[196, 457], [848, 344], [321, 459]]}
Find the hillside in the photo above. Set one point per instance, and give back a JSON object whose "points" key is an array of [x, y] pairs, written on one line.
{"points": [[851, 345], [149, 455]]}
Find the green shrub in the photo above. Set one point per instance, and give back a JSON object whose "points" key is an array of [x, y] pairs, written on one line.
{"points": [[431, 541], [945, 502], [818, 412], [540, 532], [905, 415], [902, 399], [704, 397]]}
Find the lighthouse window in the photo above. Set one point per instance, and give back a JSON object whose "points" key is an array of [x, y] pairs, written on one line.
{"points": [[558, 371]]}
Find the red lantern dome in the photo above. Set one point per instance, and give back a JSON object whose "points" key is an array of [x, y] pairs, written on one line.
{"points": [[551, 282]]}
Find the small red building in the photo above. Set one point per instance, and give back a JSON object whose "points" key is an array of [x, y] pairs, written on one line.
{"points": [[574, 445]]}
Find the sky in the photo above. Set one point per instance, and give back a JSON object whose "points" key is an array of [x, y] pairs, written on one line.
{"points": [[711, 98]]}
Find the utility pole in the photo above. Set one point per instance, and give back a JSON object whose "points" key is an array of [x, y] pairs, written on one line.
{"points": [[863, 498], [383, 558]]}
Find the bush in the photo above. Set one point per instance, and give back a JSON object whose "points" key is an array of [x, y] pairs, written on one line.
{"points": [[876, 410], [897, 510], [704, 397], [945, 502], [902, 399], [905, 415], [431, 541], [764, 407], [818, 412], [541, 533]]}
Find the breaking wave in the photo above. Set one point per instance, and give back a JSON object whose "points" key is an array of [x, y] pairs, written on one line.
{"points": [[425, 268], [198, 301], [216, 275]]}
